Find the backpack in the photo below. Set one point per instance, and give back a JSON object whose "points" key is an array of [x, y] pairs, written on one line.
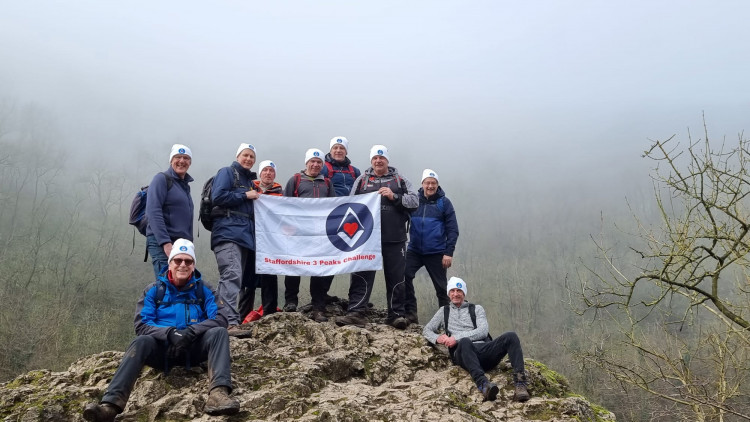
{"points": [[298, 180], [401, 183], [331, 171], [364, 180], [138, 217], [207, 212], [472, 314], [200, 299]]}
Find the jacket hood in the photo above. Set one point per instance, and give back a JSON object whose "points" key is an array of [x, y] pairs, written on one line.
{"points": [[438, 194], [318, 177], [345, 163], [163, 278], [274, 186], [391, 171], [170, 171], [251, 175], [465, 304]]}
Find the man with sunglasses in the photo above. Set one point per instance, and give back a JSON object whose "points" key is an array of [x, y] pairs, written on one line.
{"points": [[178, 323]]}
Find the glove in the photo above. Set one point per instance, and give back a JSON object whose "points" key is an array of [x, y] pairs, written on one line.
{"points": [[188, 337], [173, 336], [179, 341], [181, 338]]}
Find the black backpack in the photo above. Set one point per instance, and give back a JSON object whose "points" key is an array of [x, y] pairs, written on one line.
{"points": [[207, 211], [472, 314], [138, 207]]}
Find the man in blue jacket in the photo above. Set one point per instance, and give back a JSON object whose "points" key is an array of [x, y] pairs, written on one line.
{"points": [[432, 241], [233, 233], [177, 322], [169, 207], [339, 168]]}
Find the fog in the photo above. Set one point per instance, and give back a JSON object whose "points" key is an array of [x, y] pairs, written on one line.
{"points": [[486, 93], [535, 116]]}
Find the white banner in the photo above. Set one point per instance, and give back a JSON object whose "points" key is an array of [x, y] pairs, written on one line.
{"points": [[317, 236]]}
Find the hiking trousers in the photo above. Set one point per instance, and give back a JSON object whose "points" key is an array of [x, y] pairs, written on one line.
{"points": [[212, 346], [319, 286], [433, 263], [158, 258], [236, 270], [477, 358], [269, 293], [269, 296], [362, 282]]}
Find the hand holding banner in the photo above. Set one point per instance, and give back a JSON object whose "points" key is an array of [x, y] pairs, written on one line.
{"points": [[317, 236]]}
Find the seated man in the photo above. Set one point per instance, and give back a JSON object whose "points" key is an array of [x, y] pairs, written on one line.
{"points": [[467, 338], [178, 323]]}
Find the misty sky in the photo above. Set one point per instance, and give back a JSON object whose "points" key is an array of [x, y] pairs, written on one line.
{"points": [[521, 92]]}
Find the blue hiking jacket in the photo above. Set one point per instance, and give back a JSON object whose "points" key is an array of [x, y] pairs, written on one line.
{"points": [[157, 321], [341, 179], [237, 224], [169, 211], [434, 228]]}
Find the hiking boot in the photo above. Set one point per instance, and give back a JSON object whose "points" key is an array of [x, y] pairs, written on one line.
{"points": [[397, 322], [521, 393], [100, 412], [219, 402], [318, 316], [412, 318], [290, 307], [331, 299], [236, 331], [352, 318], [489, 390]]}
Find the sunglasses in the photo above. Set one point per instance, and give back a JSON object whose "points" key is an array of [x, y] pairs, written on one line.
{"points": [[178, 261]]}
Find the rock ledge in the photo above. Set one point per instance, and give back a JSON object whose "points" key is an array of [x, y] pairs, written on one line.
{"points": [[294, 368]]}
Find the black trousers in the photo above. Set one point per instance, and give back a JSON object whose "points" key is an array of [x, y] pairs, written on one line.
{"points": [[362, 282], [477, 358], [319, 287], [269, 296], [433, 263], [212, 346]]}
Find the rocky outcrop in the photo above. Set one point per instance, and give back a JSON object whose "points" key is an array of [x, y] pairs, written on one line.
{"points": [[292, 368]]}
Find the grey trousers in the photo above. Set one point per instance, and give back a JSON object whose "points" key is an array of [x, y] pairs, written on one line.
{"points": [[212, 346], [236, 269]]}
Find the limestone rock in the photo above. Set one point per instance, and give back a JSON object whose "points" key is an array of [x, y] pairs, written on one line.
{"points": [[295, 369]]}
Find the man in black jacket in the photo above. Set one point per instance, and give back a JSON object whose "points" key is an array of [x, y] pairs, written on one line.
{"points": [[397, 200]]}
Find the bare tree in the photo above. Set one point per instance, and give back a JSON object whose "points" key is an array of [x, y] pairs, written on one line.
{"points": [[681, 301], [65, 287]]}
